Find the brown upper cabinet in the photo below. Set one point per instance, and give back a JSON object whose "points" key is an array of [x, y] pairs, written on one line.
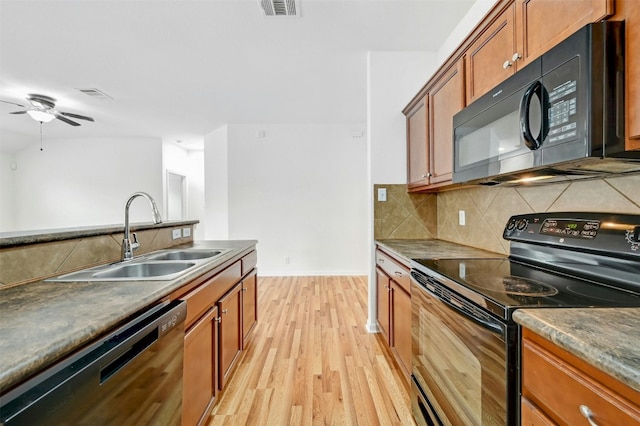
{"points": [[430, 130], [522, 32], [511, 35], [417, 144], [629, 11]]}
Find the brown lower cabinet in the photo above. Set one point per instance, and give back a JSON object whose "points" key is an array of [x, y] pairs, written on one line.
{"points": [[200, 367], [249, 306], [230, 308], [394, 308], [221, 313], [559, 388]]}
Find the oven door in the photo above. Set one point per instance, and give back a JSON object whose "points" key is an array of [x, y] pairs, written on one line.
{"points": [[460, 359]]}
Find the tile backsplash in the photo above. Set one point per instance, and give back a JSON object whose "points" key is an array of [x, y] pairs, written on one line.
{"points": [[487, 209], [404, 215], [32, 262]]}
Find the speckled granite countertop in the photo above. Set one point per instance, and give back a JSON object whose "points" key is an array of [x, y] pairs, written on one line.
{"points": [[433, 249], [44, 321], [608, 339]]}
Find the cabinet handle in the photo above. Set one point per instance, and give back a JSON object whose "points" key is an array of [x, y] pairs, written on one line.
{"points": [[244, 289], [516, 56], [506, 65], [218, 319], [428, 175], [224, 311], [381, 260], [399, 274], [588, 414], [387, 287]]}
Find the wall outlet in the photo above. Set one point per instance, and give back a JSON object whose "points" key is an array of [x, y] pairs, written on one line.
{"points": [[461, 218], [382, 194], [186, 232], [176, 233]]}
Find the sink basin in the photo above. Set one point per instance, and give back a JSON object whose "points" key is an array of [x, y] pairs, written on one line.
{"points": [[144, 270], [163, 265], [187, 254], [136, 271]]}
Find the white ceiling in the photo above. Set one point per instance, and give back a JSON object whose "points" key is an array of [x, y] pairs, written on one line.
{"points": [[179, 69]]}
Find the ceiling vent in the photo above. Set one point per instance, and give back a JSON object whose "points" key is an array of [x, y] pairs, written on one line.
{"points": [[95, 93], [280, 8]]}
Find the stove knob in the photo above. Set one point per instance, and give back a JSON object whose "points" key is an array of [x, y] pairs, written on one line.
{"points": [[636, 234], [522, 224], [511, 225]]}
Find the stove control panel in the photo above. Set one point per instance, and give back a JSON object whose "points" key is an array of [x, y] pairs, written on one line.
{"points": [[597, 232]]}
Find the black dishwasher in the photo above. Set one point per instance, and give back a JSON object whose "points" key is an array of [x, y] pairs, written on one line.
{"points": [[131, 376]]}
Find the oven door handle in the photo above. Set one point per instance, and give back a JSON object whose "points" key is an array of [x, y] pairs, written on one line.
{"points": [[488, 323]]}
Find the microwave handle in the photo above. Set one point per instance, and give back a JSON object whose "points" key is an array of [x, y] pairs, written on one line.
{"points": [[525, 106]]}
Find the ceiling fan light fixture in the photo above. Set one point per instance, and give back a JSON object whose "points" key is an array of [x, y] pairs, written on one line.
{"points": [[41, 116]]}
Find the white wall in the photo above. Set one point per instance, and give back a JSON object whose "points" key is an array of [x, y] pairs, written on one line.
{"points": [[475, 14], [190, 164], [84, 182], [393, 79], [195, 189], [300, 191], [7, 184], [216, 185]]}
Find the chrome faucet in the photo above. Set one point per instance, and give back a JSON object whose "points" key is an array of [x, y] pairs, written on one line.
{"points": [[129, 245]]}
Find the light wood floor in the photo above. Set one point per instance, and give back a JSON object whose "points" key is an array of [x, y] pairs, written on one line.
{"points": [[312, 362]]}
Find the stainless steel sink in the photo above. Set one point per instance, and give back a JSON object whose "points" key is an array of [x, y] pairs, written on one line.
{"points": [[187, 254], [163, 265], [144, 270]]}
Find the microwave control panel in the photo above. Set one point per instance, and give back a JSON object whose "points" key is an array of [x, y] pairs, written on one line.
{"points": [[562, 112]]}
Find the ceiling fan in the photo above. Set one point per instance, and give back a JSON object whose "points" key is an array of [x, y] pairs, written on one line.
{"points": [[42, 109]]}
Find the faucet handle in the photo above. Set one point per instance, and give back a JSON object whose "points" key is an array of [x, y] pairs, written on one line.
{"points": [[134, 242]]}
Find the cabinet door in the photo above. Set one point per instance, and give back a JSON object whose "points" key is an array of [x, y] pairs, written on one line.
{"points": [[383, 285], [544, 23], [249, 306], [200, 368], [401, 320], [230, 332], [629, 11], [446, 98], [417, 145], [530, 415], [489, 60]]}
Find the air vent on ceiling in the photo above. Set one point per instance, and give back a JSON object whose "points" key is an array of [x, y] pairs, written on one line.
{"points": [[95, 93], [280, 8]]}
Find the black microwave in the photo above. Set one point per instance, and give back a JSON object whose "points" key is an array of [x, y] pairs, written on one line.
{"points": [[561, 115]]}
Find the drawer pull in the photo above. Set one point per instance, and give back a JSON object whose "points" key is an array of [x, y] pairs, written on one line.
{"points": [[588, 414], [381, 260], [398, 273]]}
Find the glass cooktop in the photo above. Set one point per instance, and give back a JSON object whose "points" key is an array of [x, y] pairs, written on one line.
{"points": [[511, 284]]}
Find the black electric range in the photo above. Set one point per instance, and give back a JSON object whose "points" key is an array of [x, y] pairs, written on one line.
{"points": [[465, 365]]}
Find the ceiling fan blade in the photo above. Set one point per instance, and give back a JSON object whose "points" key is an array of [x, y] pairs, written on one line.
{"points": [[18, 112], [13, 103], [66, 120], [81, 117]]}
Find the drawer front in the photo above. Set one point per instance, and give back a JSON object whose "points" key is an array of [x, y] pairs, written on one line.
{"points": [[249, 262], [560, 390], [398, 272], [206, 295]]}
